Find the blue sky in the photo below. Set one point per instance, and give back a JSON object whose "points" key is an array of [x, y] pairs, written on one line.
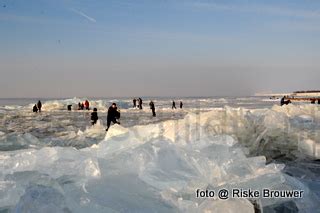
{"points": [[66, 48]]}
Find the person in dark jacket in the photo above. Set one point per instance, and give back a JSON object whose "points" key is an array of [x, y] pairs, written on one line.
{"points": [[134, 103], [152, 107], [69, 107], [113, 115], [181, 104], [94, 116], [35, 108], [39, 105], [173, 104], [282, 101], [140, 103]]}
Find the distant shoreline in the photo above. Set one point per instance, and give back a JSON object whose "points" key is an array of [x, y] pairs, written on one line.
{"points": [[306, 93]]}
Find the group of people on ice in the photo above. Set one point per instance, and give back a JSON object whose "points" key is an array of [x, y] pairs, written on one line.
{"points": [[37, 107], [137, 103], [152, 106], [82, 106], [174, 105], [113, 112], [112, 117]]}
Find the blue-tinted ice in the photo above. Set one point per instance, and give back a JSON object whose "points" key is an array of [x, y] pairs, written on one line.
{"points": [[56, 162]]}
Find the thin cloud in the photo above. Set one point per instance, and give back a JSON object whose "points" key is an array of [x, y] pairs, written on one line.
{"points": [[84, 15], [266, 9]]}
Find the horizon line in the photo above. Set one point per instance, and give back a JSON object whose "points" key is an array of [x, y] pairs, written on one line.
{"points": [[148, 96]]}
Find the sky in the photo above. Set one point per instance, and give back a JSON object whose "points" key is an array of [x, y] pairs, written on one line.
{"points": [[125, 48]]}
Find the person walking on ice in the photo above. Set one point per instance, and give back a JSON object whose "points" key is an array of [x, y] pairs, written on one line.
{"points": [[152, 107], [173, 104], [134, 103], [113, 115], [39, 105], [94, 116]]}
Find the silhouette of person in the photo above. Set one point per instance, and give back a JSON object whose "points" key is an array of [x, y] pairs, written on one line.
{"points": [[282, 102], [35, 108], [140, 103], [39, 105], [94, 116], [173, 105], [134, 103], [69, 107], [113, 115], [152, 107], [181, 104]]}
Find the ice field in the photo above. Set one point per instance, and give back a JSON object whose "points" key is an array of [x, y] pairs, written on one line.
{"points": [[55, 161]]}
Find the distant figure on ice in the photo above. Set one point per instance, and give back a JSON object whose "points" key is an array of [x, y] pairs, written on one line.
{"points": [[82, 106], [35, 108], [86, 105], [284, 102], [151, 104], [94, 116], [134, 103], [140, 103], [79, 106], [173, 104], [39, 105], [113, 115], [181, 104], [69, 107]]}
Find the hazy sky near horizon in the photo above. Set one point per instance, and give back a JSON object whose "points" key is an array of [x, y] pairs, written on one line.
{"points": [[108, 48]]}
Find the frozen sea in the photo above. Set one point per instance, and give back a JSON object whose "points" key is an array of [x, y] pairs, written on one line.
{"points": [[55, 161]]}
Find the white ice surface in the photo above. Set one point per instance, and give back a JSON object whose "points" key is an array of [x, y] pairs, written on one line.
{"points": [[152, 168]]}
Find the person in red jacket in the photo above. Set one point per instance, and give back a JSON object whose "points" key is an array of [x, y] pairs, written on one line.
{"points": [[86, 105]]}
